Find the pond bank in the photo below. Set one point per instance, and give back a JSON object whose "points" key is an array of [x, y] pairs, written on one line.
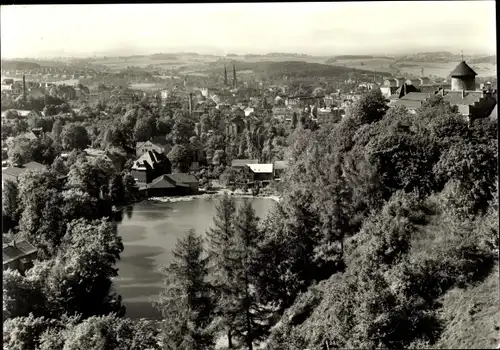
{"points": [[209, 195]]}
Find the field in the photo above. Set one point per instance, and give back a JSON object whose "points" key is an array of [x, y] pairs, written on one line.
{"points": [[391, 66]]}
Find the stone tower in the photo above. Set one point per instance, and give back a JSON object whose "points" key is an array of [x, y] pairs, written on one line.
{"points": [[463, 78]]}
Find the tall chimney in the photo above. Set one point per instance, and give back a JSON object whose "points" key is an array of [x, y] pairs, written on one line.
{"points": [[190, 104], [24, 88], [422, 72], [463, 93]]}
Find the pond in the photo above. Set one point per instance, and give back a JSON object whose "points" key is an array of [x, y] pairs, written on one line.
{"points": [[150, 232]]}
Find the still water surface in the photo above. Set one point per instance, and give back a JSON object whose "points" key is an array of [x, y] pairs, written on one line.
{"points": [[149, 235]]}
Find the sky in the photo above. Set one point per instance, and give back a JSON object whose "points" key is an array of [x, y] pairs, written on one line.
{"points": [[333, 28]]}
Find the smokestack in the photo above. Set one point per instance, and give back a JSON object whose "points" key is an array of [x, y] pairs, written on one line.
{"points": [[24, 88], [422, 72], [234, 76], [190, 104], [463, 93]]}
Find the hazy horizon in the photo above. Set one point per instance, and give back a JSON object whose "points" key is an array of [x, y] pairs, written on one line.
{"points": [[371, 28]]}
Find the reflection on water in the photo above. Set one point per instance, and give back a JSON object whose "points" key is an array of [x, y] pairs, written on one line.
{"points": [[150, 231]]}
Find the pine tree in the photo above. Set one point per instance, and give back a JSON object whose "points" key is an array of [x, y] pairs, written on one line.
{"points": [[220, 242], [186, 303], [247, 237]]}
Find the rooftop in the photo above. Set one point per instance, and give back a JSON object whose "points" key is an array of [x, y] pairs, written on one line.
{"points": [[243, 162], [463, 70], [261, 168], [407, 103], [416, 96], [18, 171], [455, 97], [182, 178], [17, 250]]}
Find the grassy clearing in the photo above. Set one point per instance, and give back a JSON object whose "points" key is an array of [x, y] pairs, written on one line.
{"points": [[472, 316]]}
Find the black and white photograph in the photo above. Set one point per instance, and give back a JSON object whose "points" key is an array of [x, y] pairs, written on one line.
{"points": [[250, 176]]}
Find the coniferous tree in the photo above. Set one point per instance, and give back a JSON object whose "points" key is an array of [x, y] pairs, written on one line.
{"points": [[220, 242], [187, 303], [249, 315]]}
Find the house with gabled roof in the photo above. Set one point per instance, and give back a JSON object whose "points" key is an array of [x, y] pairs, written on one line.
{"points": [[19, 255], [159, 144], [149, 166], [261, 172], [177, 184]]}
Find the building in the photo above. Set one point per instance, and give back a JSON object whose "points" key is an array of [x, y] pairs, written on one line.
{"points": [[261, 172], [177, 184], [329, 101], [164, 94], [390, 82], [159, 145], [463, 78], [326, 115], [241, 163], [413, 100], [282, 113], [248, 111], [402, 91], [150, 166], [14, 173], [19, 255], [471, 103]]}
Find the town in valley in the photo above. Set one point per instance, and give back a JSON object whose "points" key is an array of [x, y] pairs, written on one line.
{"points": [[171, 197]]}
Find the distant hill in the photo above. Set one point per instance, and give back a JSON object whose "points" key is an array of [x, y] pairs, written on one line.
{"points": [[284, 54], [291, 69], [164, 56], [440, 56], [486, 59], [19, 65], [355, 57]]}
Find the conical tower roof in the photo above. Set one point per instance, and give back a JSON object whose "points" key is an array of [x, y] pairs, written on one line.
{"points": [[463, 70]]}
